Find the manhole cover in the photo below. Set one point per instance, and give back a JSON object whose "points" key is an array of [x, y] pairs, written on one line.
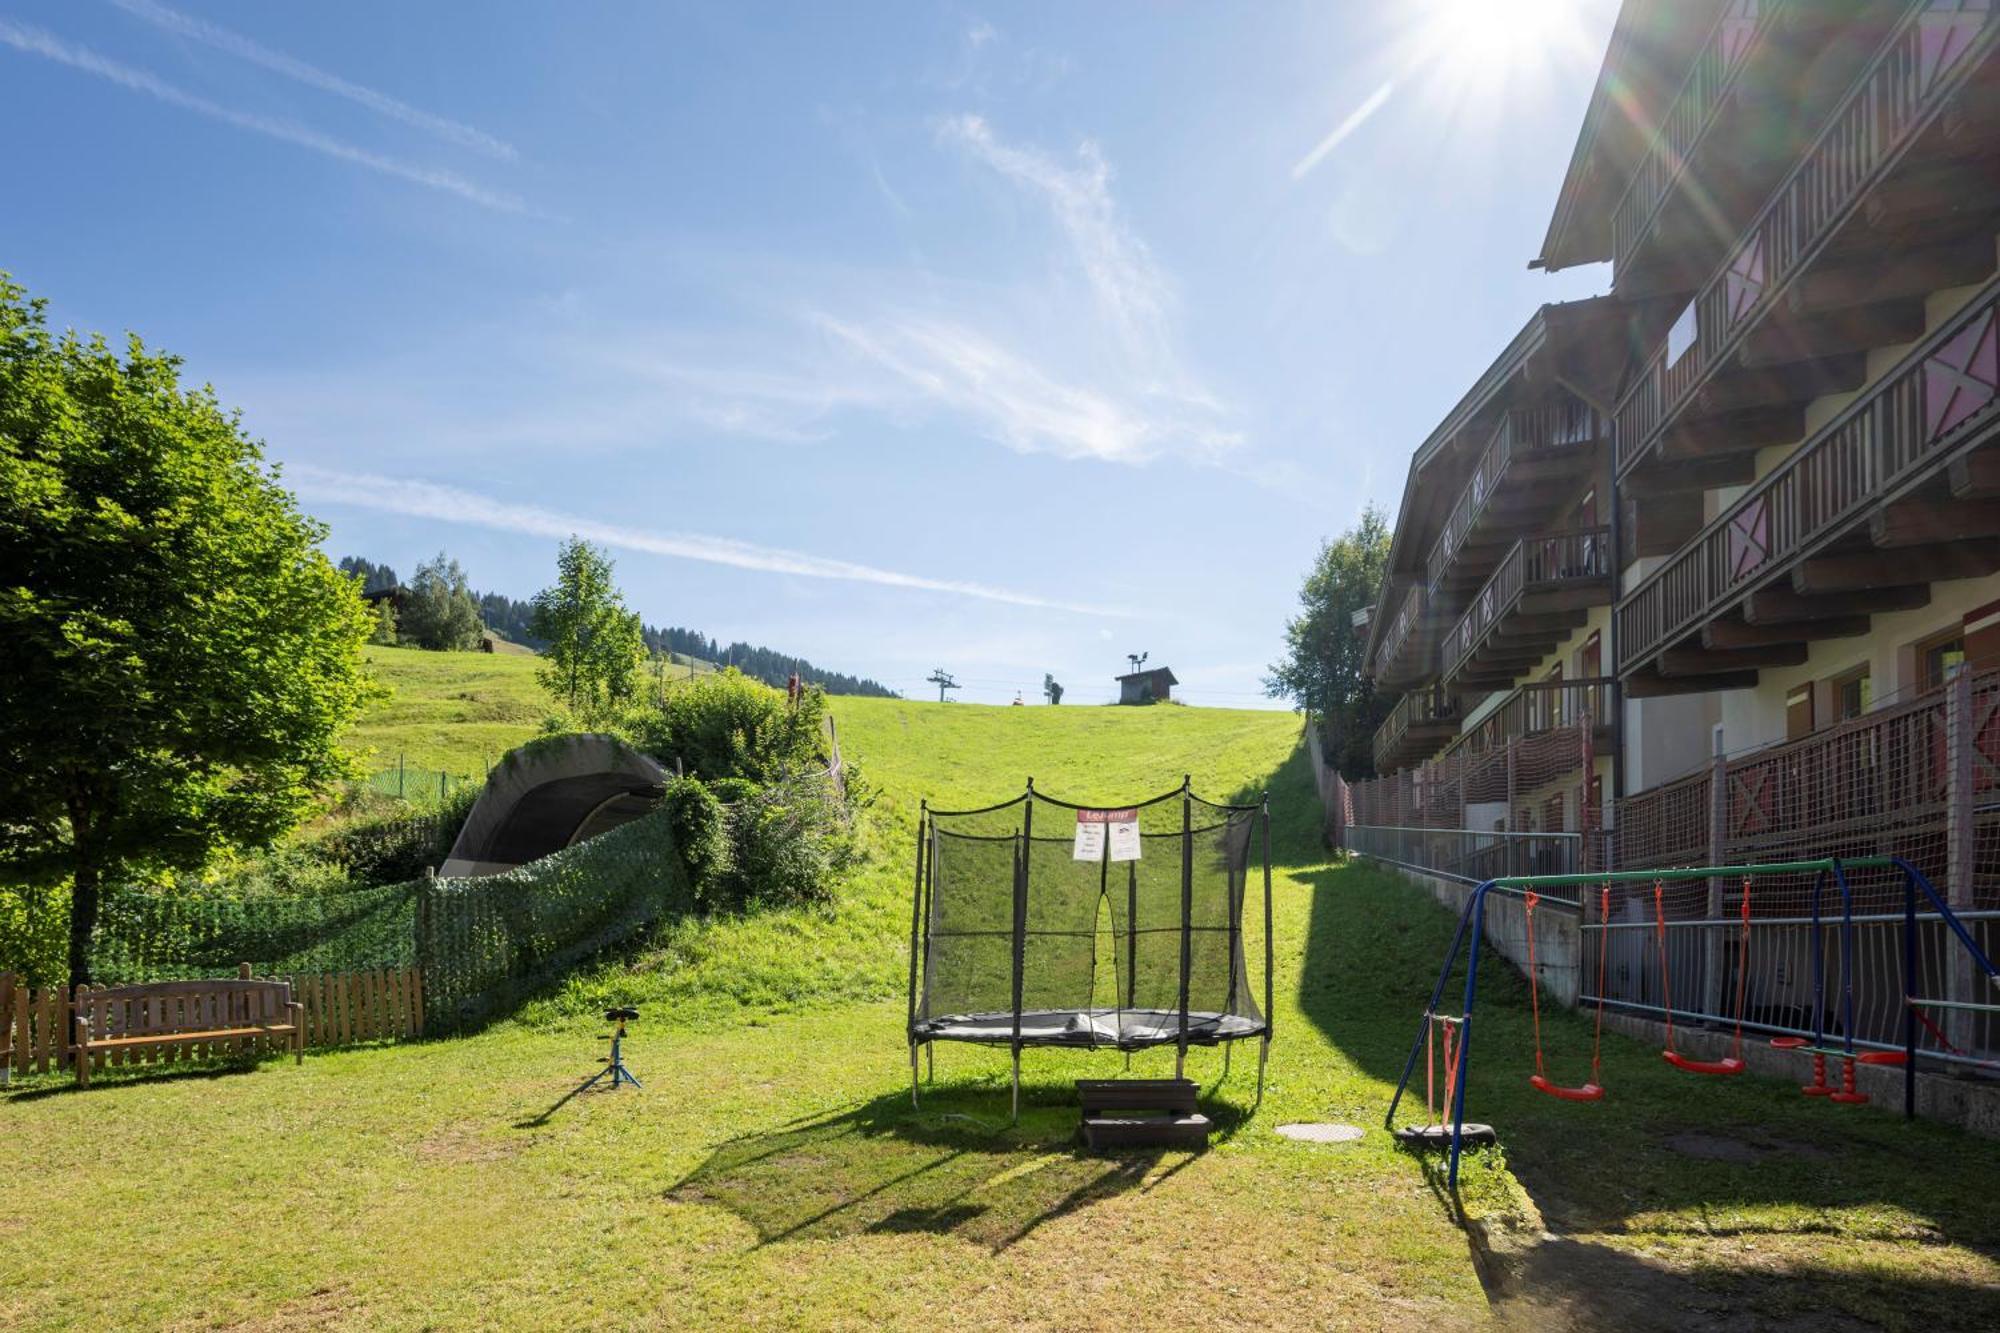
{"points": [[1321, 1133]]}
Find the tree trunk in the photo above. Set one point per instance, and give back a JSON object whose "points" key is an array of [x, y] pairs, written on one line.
{"points": [[82, 919]]}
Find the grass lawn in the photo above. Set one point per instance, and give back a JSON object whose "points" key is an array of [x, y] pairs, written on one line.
{"points": [[453, 711], [772, 1171]]}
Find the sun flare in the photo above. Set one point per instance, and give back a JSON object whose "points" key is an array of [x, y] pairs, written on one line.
{"points": [[1498, 39]]}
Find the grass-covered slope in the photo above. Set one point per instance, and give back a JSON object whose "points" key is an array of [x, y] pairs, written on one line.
{"points": [[954, 755], [452, 711]]}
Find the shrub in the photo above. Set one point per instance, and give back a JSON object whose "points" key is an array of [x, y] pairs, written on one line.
{"points": [[701, 838], [788, 843], [726, 725]]}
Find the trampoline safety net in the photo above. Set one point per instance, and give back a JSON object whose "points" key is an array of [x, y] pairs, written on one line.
{"points": [[1041, 923]]}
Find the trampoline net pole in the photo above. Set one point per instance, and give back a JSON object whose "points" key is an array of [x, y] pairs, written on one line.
{"points": [[1187, 923], [1027, 848], [916, 945]]}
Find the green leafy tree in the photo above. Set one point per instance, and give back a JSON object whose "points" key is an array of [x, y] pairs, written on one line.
{"points": [[441, 614], [595, 647], [177, 656], [1322, 671], [384, 631]]}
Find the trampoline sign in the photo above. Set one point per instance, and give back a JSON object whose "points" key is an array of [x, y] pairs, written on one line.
{"points": [[1097, 828]]}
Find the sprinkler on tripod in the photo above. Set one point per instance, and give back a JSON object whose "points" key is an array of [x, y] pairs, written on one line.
{"points": [[614, 1064]]}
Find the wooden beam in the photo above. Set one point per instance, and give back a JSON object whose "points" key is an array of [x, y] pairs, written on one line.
{"points": [[1658, 476], [1784, 385], [1780, 341], [1976, 476], [1889, 569], [1941, 191], [1782, 606], [1735, 432], [1664, 523], [1656, 686], [1730, 635], [1701, 662], [1882, 278], [1919, 522]]}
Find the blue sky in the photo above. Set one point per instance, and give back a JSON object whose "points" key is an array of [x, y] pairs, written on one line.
{"points": [[1004, 339]]}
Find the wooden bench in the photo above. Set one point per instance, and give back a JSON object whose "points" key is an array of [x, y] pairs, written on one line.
{"points": [[241, 1009]]}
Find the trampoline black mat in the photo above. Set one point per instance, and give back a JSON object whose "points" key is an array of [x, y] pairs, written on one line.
{"points": [[1124, 1029]]}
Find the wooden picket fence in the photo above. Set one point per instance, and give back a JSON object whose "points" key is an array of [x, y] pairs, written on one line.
{"points": [[37, 1028]]}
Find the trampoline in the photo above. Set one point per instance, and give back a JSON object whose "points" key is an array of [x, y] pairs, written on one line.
{"points": [[1040, 922]]}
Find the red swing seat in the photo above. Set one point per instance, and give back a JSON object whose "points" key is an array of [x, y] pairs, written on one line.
{"points": [[1726, 1065], [1589, 1092]]}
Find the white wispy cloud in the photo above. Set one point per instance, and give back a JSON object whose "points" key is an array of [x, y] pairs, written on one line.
{"points": [[381, 103], [417, 499], [1133, 295], [39, 42], [1354, 120], [1016, 402]]}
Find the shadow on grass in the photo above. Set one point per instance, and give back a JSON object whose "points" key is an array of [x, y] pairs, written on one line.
{"points": [[1704, 1167], [131, 1076], [884, 1167]]}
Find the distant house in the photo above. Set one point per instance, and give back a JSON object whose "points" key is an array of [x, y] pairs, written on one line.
{"points": [[1146, 687]]}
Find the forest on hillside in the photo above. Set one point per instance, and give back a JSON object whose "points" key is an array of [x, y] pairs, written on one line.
{"points": [[511, 616]]}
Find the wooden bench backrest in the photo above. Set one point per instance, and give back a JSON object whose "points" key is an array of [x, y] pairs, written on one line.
{"points": [[182, 1006]]}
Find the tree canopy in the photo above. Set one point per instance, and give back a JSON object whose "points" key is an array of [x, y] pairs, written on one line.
{"points": [[177, 656], [1322, 671], [441, 613], [594, 647]]}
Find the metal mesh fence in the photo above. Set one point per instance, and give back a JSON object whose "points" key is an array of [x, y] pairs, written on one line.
{"points": [[1917, 779], [482, 943]]}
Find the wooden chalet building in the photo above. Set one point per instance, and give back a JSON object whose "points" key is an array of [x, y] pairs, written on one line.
{"points": [[1751, 494]]}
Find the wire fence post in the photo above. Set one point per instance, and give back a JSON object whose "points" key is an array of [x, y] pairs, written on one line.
{"points": [[1711, 947], [1960, 848]]}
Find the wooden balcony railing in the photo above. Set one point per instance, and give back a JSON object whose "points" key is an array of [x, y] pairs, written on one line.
{"points": [[1529, 433], [1401, 654], [1421, 721], [1533, 564], [1737, 34], [1528, 710], [1904, 88], [1906, 426]]}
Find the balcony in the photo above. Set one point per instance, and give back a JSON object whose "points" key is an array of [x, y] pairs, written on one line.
{"points": [[1407, 654], [1894, 493], [1765, 75], [1540, 707], [1509, 491], [1421, 721], [1723, 384], [1703, 98], [1540, 594]]}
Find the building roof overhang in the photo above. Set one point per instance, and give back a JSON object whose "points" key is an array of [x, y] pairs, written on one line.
{"points": [[1573, 346], [1651, 49]]}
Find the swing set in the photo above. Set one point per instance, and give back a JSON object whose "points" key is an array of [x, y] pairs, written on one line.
{"points": [[1451, 1034]]}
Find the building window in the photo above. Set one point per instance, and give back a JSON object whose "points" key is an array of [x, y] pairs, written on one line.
{"points": [[1853, 694], [1939, 659]]}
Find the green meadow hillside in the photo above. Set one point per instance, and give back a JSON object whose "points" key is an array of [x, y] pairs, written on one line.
{"points": [[774, 1173]]}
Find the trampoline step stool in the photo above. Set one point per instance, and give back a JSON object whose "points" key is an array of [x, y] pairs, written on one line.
{"points": [[1141, 1113], [1136, 1094], [1146, 1131]]}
